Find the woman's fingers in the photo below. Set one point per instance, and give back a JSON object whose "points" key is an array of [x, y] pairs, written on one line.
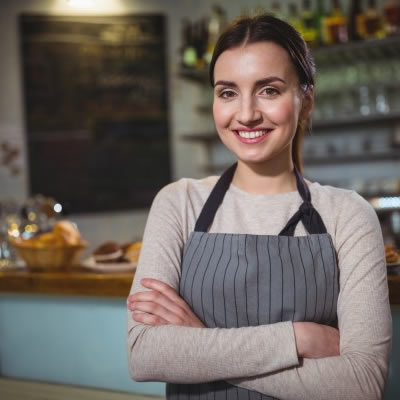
{"points": [[149, 319], [163, 288], [157, 298], [158, 310], [162, 301]]}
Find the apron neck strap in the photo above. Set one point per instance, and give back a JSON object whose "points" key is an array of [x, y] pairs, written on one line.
{"points": [[306, 213], [214, 200]]}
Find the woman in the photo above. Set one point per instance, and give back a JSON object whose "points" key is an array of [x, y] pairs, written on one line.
{"points": [[259, 278]]}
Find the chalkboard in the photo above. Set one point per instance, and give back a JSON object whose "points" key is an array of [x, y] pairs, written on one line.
{"points": [[95, 90]]}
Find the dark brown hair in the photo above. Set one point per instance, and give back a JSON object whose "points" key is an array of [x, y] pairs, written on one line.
{"points": [[265, 27]]}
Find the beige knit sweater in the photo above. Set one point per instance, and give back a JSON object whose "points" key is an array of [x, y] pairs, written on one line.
{"points": [[264, 358]]}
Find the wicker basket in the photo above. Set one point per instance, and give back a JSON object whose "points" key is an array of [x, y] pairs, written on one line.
{"points": [[49, 257]]}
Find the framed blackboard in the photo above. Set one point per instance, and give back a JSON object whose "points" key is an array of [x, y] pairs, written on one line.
{"points": [[95, 91]]}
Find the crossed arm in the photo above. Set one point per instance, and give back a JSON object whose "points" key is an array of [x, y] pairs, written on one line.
{"points": [[161, 305]]}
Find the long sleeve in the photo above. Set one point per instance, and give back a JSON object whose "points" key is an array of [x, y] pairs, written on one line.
{"points": [[193, 355], [363, 315]]}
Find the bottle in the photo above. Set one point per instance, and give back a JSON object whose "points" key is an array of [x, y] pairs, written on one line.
{"points": [[321, 24], [293, 18], [188, 51], [373, 23], [276, 11], [216, 24], [309, 24], [201, 41], [391, 11], [337, 25], [356, 21]]}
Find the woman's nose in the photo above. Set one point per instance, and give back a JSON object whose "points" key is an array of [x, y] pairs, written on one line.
{"points": [[249, 113]]}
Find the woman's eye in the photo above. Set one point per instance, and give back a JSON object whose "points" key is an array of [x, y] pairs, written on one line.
{"points": [[226, 94], [269, 91]]}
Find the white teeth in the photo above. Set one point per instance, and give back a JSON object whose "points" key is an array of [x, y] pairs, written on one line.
{"points": [[251, 135]]}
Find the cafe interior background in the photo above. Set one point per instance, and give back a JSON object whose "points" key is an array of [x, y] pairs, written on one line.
{"points": [[104, 102]]}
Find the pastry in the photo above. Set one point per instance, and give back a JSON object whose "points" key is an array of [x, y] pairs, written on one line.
{"points": [[108, 252], [391, 254], [132, 252], [67, 231]]}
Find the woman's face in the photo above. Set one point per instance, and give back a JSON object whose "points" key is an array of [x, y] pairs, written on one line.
{"points": [[257, 101]]}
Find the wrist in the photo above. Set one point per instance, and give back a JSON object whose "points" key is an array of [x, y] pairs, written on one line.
{"points": [[300, 338]]}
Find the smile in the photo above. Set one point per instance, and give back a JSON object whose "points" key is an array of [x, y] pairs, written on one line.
{"points": [[253, 134]]}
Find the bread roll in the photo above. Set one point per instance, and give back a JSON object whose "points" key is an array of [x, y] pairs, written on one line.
{"points": [[67, 231]]}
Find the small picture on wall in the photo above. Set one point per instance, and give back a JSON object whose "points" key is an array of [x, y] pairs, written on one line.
{"points": [[95, 91]]}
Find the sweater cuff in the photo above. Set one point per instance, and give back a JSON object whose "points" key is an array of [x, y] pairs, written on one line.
{"points": [[290, 351], [267, 349]]}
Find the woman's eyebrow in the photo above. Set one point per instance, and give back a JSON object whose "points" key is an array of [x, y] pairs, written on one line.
{"points": [[225, 83], [259, 82], [268, 80]]}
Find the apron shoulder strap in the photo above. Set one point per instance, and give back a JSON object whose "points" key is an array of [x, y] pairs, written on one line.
{"points": [[214, 200]]}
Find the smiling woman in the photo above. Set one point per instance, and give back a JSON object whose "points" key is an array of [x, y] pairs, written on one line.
{"points": [[259, 283], [257, 104]]}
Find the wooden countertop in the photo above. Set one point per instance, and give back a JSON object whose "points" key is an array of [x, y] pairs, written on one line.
{"points": [[394, 289], [70, 282], [80, 282]]}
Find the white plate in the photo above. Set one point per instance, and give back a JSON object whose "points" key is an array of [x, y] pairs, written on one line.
{"points": [[90, 263]]}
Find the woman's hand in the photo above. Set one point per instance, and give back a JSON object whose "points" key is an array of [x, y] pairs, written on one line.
{"points": [[161, 306], [316, 340]]}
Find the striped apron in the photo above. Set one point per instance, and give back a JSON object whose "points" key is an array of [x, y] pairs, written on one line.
{"points": [[238, 280]]}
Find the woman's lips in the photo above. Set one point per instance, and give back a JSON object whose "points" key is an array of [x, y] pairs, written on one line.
{"points": [[252, 137]]}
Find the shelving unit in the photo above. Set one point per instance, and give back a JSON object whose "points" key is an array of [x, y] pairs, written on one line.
{"points": [[337, 54], [348, 52], [357, 121], [353, 159], [326, 59]]}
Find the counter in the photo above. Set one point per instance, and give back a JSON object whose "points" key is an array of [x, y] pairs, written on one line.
{"points": [[80, 282], [74, 321], [68, 282]]}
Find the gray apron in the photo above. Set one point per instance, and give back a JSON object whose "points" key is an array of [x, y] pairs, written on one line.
{"points": [[236, 280]]}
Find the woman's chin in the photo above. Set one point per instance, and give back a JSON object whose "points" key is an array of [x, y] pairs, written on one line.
{"points": [[254, 158]]}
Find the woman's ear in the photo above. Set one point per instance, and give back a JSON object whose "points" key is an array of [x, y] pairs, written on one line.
{"points": [[308, 103]]}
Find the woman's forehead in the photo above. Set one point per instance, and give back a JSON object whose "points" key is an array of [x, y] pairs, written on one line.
{"points": [[258, 60]]}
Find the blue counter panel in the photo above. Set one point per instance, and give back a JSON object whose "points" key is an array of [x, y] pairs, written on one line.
{"points": [[79, 341], [82, 341]]}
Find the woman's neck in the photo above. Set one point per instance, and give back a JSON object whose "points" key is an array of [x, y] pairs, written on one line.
{"points": [[264, 178]]}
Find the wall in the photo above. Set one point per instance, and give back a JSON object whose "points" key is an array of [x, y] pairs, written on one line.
{"points": [[186, 158], [121, 226]]}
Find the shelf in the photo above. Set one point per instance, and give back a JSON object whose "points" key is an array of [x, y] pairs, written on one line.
{"points": [[356, 51], [206, 137], [328, 55], [195, 75], [356, 121], [352, 159]]}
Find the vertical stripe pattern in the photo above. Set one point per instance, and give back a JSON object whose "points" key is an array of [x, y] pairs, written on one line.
{"points": [[237, 280]]}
